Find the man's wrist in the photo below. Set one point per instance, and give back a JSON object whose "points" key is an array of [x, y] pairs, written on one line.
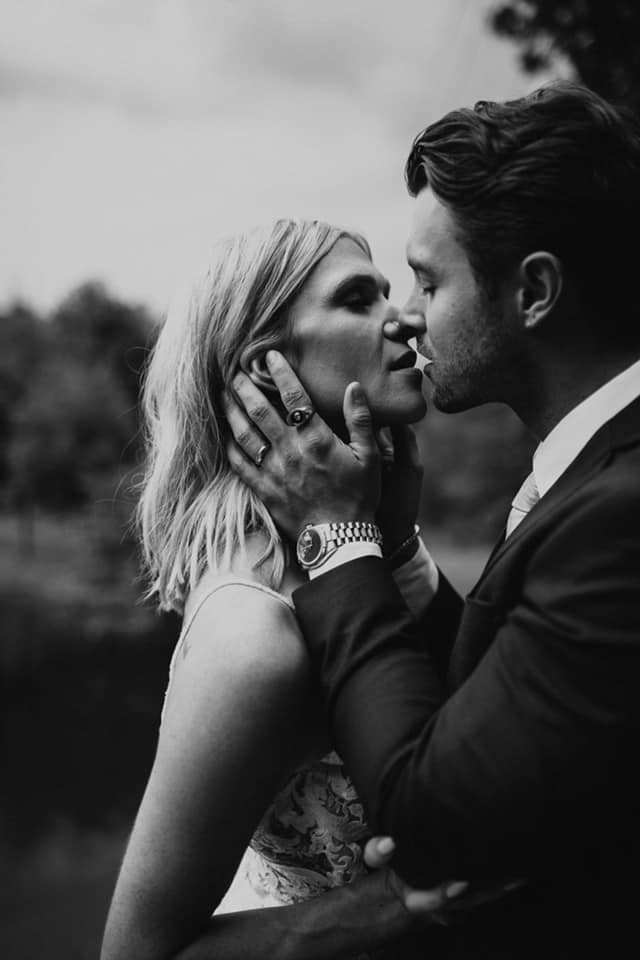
{"points": [[417, 580], [317, 543], [399, 552]]}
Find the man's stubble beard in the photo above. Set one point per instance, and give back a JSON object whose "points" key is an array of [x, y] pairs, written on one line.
{"points": [[489, 373], [461, 389]]}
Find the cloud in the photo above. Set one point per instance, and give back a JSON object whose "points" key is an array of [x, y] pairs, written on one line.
{"points": [[197, 57], [127, 56], [20, 82], [136, 132]]}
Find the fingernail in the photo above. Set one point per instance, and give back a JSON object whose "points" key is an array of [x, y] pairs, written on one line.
{"points": [[385, 845], [271, 356], [357, 393], [455, 889]]}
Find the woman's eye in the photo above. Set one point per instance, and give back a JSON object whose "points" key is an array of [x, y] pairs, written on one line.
{"points": [[427, 290], [358, 302]]}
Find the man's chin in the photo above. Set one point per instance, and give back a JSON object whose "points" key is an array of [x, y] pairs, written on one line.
{"points": [[446, 401]]}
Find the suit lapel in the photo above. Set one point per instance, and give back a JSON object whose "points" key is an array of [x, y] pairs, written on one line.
{"points": [[623, 430]]}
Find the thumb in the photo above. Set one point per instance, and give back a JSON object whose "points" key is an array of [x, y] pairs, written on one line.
{"points": [[357, 417], [406, 446]]}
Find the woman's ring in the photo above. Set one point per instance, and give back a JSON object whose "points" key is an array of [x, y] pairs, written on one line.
{"points": [[261, 454], [300, 416]]}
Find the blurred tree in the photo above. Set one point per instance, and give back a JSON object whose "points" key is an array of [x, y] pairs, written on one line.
{"points": [[73, 432], [23, 344], [77, 420], [73, 429], [599, 38], [100, 332], [474, 463]]}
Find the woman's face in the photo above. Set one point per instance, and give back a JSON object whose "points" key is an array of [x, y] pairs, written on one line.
{"points": [[337, 323]]}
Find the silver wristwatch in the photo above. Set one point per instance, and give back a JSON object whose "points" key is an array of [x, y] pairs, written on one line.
{"points": [[318, 541]]}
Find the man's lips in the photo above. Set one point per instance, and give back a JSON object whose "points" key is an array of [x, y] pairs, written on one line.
{"points": [[424, 360]]}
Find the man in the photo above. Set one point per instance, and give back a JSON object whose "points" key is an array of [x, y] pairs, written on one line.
{"points": [[496, 740]]}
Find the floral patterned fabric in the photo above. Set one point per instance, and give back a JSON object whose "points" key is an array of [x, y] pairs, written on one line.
{"points": [[310, 839]]}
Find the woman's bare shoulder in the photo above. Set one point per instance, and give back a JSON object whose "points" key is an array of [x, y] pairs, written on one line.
{"points": [[235, 624]]}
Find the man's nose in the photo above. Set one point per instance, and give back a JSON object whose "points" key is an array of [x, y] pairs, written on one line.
{"points": [[404, 324]]}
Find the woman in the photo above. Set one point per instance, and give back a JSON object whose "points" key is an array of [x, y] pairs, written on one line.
{"points": [[240, 723]]}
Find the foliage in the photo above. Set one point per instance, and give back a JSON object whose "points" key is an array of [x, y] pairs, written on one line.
{"points": [[474, 462], [96, 331], [68, 403], [22, 346], [599, 38], [68, 407], [73, 427]]}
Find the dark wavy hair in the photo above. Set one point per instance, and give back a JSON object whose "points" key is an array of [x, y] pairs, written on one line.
{"points": [[557, 170]]}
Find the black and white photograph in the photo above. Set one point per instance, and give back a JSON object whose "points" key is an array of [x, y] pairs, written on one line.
{"points": [[319, 479]]}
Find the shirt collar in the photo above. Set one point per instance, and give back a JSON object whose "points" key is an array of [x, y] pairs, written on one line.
{"points": [[573, 432]]}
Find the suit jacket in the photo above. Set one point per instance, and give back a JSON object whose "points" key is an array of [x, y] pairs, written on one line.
{"points": [[500, 737]]}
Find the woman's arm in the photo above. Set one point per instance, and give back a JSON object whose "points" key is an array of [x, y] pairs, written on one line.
{"points": [[234, 729]]}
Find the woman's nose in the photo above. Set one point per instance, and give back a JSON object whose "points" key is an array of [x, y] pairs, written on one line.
{"points": [[404, 324]]}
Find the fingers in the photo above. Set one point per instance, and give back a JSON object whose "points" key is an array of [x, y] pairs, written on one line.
{"points": [[243, 466], [357, 417], [426, 901], [481, 896], [247, 436], [259, 420], [378, 852], [292, 393]]}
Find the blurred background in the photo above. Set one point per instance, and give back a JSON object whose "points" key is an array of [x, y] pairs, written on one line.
{"points": [[136, 133]]}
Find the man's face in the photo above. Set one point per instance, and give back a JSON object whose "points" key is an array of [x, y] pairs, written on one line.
{"points": [[467, 336]]}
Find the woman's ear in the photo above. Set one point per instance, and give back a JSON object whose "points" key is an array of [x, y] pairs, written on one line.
{"points": [[256, 369], [540, 286]]}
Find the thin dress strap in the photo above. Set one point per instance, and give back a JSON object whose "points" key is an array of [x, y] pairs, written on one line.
{"points": [[186, 626]]}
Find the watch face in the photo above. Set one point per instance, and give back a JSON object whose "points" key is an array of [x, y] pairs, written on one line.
{"points": [[310, 546]]}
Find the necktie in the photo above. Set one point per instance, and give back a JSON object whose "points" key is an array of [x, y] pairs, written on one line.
{"points": [[526, 498]]}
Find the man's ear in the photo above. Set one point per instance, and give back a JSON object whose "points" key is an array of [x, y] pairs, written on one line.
{"points": [[540, 283]]}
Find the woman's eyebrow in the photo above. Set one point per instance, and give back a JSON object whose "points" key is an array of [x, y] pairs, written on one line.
{"points": [[354, 280]]}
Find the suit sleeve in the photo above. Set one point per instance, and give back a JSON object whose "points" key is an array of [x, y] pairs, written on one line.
{"points": [[507, 769], [439, 624]]}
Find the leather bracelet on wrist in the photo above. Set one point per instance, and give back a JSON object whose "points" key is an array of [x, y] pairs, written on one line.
{"points": [[405, 550]]}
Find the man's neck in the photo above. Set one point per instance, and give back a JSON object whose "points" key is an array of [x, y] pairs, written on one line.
{"points": [[562, 387]]}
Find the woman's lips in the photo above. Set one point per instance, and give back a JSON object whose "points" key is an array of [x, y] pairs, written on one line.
{"points": [[406, 361]]}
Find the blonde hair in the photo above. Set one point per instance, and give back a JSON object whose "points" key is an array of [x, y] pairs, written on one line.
{"points": [[194, 513]]}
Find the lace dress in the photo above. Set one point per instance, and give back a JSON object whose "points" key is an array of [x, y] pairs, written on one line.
{"points": [[310, 838]]}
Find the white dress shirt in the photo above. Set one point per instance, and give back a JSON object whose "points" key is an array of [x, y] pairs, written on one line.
{"points": [[569, 437], [417, 579]]}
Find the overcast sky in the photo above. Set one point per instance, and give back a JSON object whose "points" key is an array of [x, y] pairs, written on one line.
{"points": [[135, 133]]}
